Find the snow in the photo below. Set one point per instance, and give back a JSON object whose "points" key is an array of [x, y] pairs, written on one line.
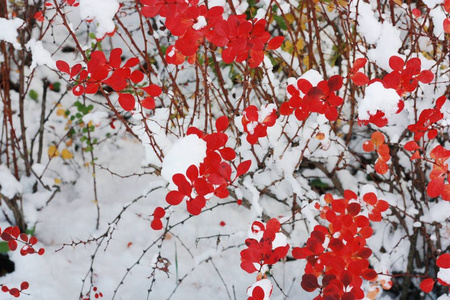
{"points": [[127, 170], [200, 23], [444, 275], [378, 98], [102, 12], [187, 151], [40, 55], [368, 25], [433, 3], [438, 16], [95, 117], [387, 46], [9, 186], [8, 31]]}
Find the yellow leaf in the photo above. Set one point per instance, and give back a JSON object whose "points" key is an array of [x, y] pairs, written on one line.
{"points": [[60, 112], [66, 154], [342, 2], [53, 151], [398, 2], [288, 47], [57, 180], [300, 44], [289, 18]]}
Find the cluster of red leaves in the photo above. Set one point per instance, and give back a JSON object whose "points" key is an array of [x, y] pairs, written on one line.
{"points": [[306, 99], [12, 236], [213, 176], [15, 292], [404, 78], [192, 23], [261, 251], [427, 121], [343, 262], [256, 122], [158, 214], [446, 23], [358, 78], [377, 143], [439, 174], [110, 72], [442, 262], [97, 294]]}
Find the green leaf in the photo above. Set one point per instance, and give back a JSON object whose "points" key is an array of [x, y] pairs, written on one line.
{"points": [[280, 21], [33, 95], [92, 36], [56, 87], [317, 183], [4, 247]]}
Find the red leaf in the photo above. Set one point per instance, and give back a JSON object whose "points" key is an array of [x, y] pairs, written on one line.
{"points": [[131, 62], [243, 167], [414, 65], [309, 282], [228, 55], [137, 76], [440, 101], [427, 285], [12, 245], [346, 278], [63, 66], [114, 58], [411, 146], [435, 187], [222, 123], [127, 101], [359, 63], [360, 79], [159, 212], [227, 153], [301, 253], [192, 173], [75, 70], [370, 198], [354, 208], [25, 285], [369, 274], [335, 82], [116, 81], [153, 90], [447, 25], [368, 146], [446, 192], [396, 63], [15, 292], [416, 155], [248, 267], [425, 76], [156, 224], [174, 197], [275, 43], [24, 237], [443, 261], [148, 103]]}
